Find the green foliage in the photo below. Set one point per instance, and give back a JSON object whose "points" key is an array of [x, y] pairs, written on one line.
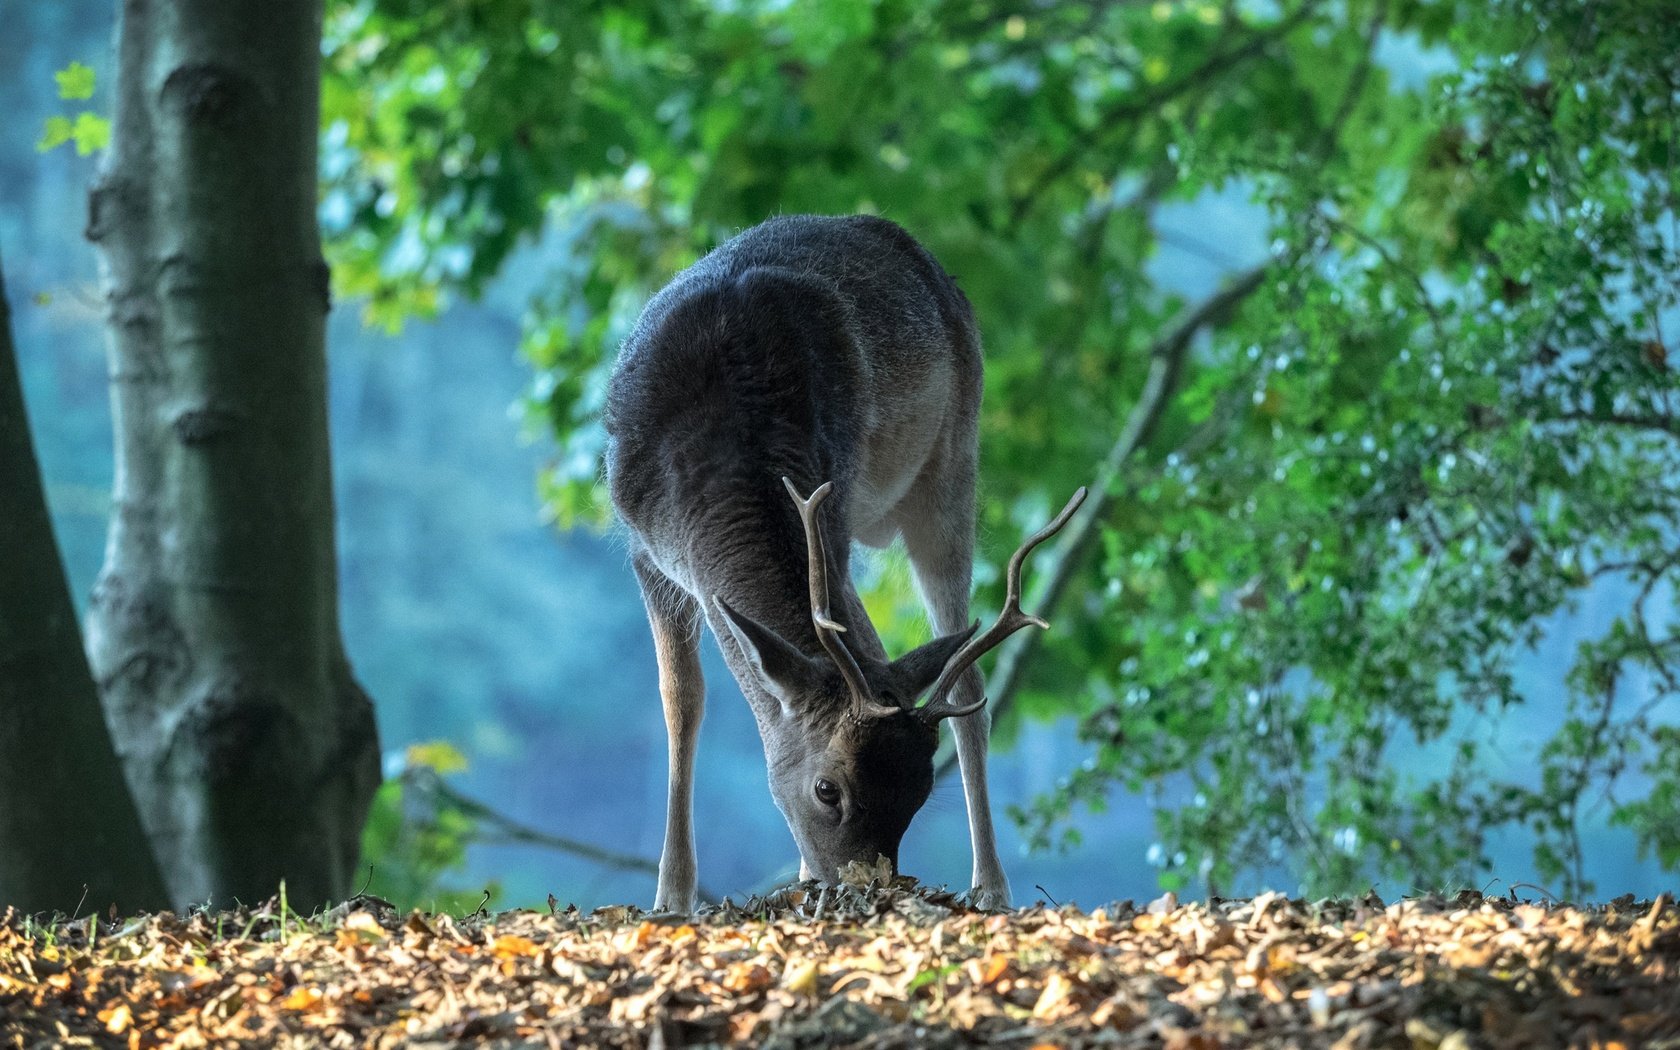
{"points": [[1443, 417], [416, 839], [75, 81], [87, 129]]}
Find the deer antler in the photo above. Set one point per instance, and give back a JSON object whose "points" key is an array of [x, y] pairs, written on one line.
{"points": [[829, 629], [1010, 620]]}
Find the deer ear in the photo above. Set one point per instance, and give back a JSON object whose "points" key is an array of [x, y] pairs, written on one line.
{"points": [[917, 669], [781, 667]]}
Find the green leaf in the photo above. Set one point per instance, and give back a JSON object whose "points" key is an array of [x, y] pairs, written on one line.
{"points": [[75, 81], [439, 756], [55, 133], [929, 976], [92, 132]]}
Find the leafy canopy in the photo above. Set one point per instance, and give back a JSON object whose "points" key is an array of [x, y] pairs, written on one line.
{"points": [[1439, 413]]}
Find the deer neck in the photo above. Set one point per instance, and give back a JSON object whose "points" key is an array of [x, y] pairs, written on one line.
{"points": [[765, 578]]}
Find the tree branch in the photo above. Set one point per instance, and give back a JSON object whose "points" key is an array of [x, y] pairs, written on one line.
{"points": [[1127, 110], [509, 830], [1166, 364], [1167, 356], [1655, 423], [1356, 80]]}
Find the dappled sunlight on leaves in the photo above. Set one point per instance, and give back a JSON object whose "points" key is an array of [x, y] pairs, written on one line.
{"points": [[868, 964]]}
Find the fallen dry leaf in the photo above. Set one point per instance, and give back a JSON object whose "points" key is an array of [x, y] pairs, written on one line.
{"points": [[800, 978], [879, 964], [745, 978], [302, 999], [1057, 991], [512, 946], [116, 1017], [987, 971], [364, 925]]}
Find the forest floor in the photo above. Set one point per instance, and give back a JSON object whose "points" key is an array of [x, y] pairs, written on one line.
{"points": [[860, 966]]}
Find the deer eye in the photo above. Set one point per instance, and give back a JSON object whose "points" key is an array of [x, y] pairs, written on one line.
{"points": [[827, 793]]}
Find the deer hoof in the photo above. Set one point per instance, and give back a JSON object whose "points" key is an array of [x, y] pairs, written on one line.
{"points": [[990, 898], [674, 903]]}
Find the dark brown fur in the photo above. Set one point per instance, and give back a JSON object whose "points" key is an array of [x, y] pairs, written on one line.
{"points": [[823, 350]]}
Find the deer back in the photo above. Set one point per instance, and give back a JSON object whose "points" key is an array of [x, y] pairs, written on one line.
{"points": [[816, 348]]}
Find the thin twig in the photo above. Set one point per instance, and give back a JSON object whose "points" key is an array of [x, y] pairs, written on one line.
{"points": [[1123, 113], [509, 830], [1633, 420], [1356, 80]]}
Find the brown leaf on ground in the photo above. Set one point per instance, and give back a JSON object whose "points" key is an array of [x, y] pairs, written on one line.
{"points": [[874, 962]]}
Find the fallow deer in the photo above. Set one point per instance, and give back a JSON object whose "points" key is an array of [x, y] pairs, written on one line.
{"points": [[832, 360]]}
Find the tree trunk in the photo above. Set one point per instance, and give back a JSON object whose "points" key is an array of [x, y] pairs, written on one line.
{"points": [[213, 631], [69, 834]]}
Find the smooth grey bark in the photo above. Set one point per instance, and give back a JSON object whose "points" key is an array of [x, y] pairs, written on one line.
{"points": [[69, 834], [213, 630]]}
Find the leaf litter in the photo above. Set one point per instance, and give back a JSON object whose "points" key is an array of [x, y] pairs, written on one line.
{"points": [[872, 963]]}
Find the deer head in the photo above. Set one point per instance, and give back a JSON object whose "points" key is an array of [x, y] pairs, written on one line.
{"points": [[851, 757]]}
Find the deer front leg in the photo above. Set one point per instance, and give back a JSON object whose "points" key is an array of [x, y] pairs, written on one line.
{"points": [[940, 545], [674, 617], [973, 733]]}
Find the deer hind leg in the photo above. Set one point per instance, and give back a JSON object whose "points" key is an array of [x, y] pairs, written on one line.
{"points": [[939, 537], [674, 616]]}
